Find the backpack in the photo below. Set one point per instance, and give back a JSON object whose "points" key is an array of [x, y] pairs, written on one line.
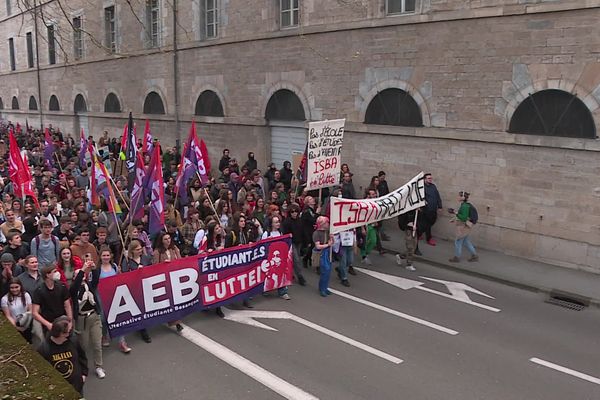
{"points": [[54, 241], [473, 215]]}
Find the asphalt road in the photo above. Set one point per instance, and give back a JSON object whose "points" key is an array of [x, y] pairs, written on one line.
{"points": [[465, 352]]}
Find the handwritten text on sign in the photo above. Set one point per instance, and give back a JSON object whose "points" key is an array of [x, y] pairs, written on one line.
{"points": [[325, 140], [349, 214]]}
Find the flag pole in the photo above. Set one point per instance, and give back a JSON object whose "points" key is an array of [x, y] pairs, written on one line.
{"points": [[58, 162], [120, 237], [414, 232], [212, 205]]}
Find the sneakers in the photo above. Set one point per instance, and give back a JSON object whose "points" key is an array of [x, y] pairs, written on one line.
{"points": [[474, 258], [345, 283], [220, 312], [398, 259], [418, 252], [367, 261], [323, 294], [410, 267], [247, 304], [454, 259], [124, 348], [351, 270], [179, 327], [285, 296], [145, 337], [431, 242], [100, 373], [105, 341], [301, 281]]}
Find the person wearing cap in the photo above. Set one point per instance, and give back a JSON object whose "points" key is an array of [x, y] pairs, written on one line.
{"points": [[463, 223], [251, 163], [65, 354], [16, 305], [9, 270]]}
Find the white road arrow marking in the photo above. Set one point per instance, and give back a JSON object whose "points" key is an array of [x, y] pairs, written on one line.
{"points": [[248, 318], [394, 312], [565, 370], [458, 290], [256, 372], [397, 281]]}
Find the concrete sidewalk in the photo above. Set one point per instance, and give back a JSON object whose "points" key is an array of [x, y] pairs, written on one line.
{"points": [[504, 268]]}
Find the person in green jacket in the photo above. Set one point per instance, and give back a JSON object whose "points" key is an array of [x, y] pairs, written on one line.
{"points": [[463, 229]]}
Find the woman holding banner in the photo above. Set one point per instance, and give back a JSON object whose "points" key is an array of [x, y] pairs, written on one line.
{"points": [[274, 231], [136, 259]]}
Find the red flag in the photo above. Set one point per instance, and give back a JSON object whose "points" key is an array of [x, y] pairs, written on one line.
{"points": [[18, 170], [147, 144]]}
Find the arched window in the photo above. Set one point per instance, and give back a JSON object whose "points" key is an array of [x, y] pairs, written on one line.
{"points": [[209, 105], [1, 104], [553, 112], [393, 107], [53, 104], [285, 105], [153, 104], [32, 103], [15, 103], [112, 104], [80, 105]]}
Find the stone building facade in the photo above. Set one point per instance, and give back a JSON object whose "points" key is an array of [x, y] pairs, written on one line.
{"points": [[472, 71]]}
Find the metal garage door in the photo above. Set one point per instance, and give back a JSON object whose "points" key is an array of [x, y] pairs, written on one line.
{"points": [[287, 138]]}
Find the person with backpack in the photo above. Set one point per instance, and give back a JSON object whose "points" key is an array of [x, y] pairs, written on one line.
{"points": [[464, 219], [45, 246]]}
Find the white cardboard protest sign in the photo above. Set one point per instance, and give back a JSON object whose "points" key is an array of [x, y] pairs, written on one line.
{"points": [[325, 140], [349, 214]]}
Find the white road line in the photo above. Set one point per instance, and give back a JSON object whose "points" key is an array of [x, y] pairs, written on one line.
{"points": [[394, 312], [449, 296], [256, 372], [565, 370], [248, 318]]}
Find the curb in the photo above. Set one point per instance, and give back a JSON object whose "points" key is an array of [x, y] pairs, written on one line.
{"points": [[520, 285]]}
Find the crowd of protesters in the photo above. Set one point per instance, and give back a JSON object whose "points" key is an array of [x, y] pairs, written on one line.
{"points": [[55, 250]]}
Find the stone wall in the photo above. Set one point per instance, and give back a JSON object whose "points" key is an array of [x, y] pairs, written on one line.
{"points": [[466, 64]]}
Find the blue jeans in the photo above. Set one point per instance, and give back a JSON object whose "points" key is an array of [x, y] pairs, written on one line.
{"points": [[458, 244], [325, 268], [347, 257]]}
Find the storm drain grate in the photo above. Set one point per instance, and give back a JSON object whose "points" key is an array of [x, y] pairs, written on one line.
{"points": [[566, 302]]}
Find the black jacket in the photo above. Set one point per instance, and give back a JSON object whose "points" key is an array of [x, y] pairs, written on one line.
{"points": [[309, 219], [295, 227]]}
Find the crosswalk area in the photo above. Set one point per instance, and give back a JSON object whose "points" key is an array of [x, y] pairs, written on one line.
{"points": [[424, 334]]}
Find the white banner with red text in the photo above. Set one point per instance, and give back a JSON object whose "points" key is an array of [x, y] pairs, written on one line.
{"points": [[349, 214]]}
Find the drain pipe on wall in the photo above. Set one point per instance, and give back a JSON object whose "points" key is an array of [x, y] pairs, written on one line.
{"points": [[176, 78], [37, 64]]}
